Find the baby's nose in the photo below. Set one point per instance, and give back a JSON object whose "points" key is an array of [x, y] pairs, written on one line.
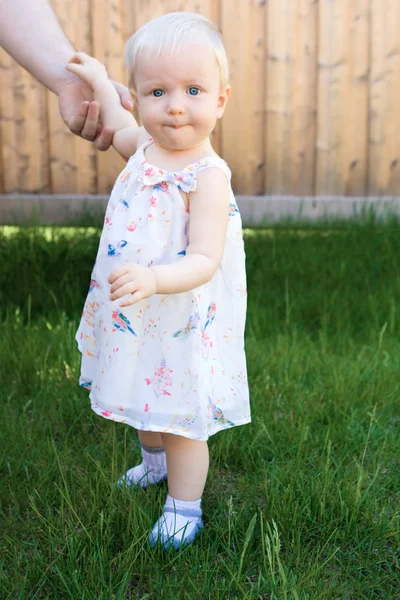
{"points": [[175, 106]]}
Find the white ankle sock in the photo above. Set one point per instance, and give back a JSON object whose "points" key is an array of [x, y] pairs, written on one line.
{"points": [[179, 523], [152, 469]]}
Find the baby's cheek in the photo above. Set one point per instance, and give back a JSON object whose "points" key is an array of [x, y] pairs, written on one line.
{"points": [[147, 113]]}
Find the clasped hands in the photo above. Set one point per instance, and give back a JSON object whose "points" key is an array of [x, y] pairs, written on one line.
{"points": [[134, 279], [77, 107]]}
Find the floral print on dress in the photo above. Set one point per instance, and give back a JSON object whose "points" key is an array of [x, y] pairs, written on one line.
{"points": [[121, 322], [93, 285], [191, 325], [218, 415], [233, 209], [188, 419], [194, 325], [116, 250], [161, 380], [171, 363], [89, 311]]}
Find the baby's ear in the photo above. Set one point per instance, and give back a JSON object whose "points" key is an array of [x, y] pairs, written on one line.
{"points": [[133, 93], [223, 99], [135, 109]]}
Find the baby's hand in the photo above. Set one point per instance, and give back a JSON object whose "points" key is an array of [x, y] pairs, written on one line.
{"points": [[132, 279], [87, 68]]}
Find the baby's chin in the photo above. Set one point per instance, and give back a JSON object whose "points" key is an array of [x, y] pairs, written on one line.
{"points": [[178, 142]]}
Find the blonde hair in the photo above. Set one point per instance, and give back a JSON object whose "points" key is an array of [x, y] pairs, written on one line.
{"points": [[167, 33]]}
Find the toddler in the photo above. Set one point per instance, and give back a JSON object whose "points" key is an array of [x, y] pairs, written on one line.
{"points": [[162, 329]]}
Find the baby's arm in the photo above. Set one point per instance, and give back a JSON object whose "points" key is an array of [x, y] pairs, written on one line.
{"points": [[208, 224], [112, 114], [209, 215]]}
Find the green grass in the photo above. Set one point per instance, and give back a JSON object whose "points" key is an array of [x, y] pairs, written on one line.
{"points": [[301, 504]]}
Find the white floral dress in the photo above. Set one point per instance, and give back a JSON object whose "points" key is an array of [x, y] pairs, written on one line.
{"points": [[170, 363]]}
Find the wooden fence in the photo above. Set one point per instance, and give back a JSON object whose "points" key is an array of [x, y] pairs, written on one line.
{"points": [[315, 107]]}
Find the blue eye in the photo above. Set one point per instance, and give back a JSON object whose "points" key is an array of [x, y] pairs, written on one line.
{"points": [[193, 91], [158, 93]]}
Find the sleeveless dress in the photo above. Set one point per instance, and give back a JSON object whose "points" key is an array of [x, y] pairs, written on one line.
{"points": [[170, 363]]}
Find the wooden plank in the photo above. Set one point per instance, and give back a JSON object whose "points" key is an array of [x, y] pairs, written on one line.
{"points": [[280, 20], [24, 130], [9, 153], [331, 95], [31, 133], [242, 25], [343, 97], [72, 159], [108, 47], [291, 96], [145, 10], [128, 19], [300, 169], [2, 182], [384, 147], [355, 109]]}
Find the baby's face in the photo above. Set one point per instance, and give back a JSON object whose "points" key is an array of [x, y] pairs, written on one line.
{"points": [[180, 96]]}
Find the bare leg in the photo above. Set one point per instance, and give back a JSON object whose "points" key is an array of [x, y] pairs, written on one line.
{"points": [[151, 439], [187, 463]]}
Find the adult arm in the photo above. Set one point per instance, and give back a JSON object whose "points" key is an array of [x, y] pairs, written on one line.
{"points": [[31, 34]]}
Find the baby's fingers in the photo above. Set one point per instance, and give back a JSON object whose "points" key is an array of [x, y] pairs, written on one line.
{"points": [[80, 58], [121, 281], [74, 68], [116, 273], [78, 70], [128, 288], [132, 300]]}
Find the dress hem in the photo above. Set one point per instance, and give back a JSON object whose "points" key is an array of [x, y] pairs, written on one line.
{"points": [[134, 424]]}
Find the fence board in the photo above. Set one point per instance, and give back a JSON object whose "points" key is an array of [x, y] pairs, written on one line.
{"points": [[242, 25], [279, 83], [291, 96], [342, 147], [384, 164], [2, 188], [108, 47], [25, 156], [72, 159], [32, 133], [301, 163], [8, 125], [331, 94], [357, 105]]}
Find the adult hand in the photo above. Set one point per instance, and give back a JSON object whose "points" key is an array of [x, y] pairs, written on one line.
{"points": [[81, 113]]}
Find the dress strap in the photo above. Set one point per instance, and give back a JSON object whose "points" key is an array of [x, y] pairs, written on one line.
{"points": [[212, 161]]}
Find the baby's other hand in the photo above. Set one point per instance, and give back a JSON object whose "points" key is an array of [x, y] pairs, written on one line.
{"points": [[87, 68], [132, 279]]}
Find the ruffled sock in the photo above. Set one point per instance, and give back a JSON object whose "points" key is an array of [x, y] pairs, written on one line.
{"points": [[179, 523], [152, 469]]}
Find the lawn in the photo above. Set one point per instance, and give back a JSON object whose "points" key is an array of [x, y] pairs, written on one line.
{"points": [[302, 504]]}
